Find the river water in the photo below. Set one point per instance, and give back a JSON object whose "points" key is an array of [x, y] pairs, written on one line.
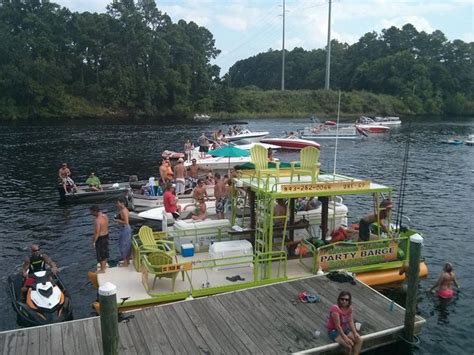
{"points": [[438, 199]]}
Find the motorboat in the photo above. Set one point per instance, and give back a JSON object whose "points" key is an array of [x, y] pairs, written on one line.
{"points": [[45, 302], [82, 193], [470, 140], [201, 117], [291, 142], [369, 125], [388, 121], [210, 163], [338, 131], [238, 134], [453, 141]]}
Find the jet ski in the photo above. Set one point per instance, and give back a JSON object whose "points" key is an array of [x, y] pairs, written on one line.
{"points": [[46, 301]]}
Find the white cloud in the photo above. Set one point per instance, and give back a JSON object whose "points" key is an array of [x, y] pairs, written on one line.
{"points": [[232, 22], [421, 23]]}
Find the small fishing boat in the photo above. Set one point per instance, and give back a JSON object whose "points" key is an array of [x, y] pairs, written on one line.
{"points": [[84, 193], [369, 125], [291, 142], [453, 141]]}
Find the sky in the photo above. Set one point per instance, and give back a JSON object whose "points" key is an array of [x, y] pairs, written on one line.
{"points": [[244, 28]]}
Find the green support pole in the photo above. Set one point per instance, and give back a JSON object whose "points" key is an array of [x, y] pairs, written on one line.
{"points": [[109, 318], [416, 242]]}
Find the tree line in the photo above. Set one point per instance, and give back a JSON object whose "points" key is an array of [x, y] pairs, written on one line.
{"points": [[133, 60], [428, 73]]}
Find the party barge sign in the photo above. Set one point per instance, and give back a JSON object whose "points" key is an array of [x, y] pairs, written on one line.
{"points": [[343, 255]]}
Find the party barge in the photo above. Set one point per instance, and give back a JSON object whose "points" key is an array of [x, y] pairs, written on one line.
{"points": [[272, 238]]}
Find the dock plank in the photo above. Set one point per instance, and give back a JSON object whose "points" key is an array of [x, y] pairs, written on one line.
{"points": [[260, 320]]}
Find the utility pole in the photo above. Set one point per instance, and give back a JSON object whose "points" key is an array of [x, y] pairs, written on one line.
{"points": [[283, 52], [328, 53]]}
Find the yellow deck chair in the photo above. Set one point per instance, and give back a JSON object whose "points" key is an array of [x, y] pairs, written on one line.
{"points": [[159, 264], [309, 164], [154, 241], [259, 157]]}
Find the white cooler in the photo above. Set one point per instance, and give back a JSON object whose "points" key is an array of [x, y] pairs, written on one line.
{"points": [[230, 248]]}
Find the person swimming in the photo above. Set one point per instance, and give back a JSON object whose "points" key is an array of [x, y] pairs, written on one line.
{"points": [[445, 282]]}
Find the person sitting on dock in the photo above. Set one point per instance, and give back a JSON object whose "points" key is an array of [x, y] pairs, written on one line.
{"points": [[365, 222], [94, 182], [445, 282], [170, 201], [200, 213], [65, 178], [37, 261], [340, 324]]}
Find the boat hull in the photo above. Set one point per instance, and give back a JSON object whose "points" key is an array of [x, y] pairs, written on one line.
{"points": [[374, 128], [85, 195], [290, 144]]}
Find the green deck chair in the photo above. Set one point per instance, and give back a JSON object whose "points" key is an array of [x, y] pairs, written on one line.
{"points": [[153, 263], [309, 164], [154, 241], [259, 157]]}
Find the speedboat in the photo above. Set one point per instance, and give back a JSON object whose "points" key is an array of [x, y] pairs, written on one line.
{"points": [[453, 141], [208, 162], [46, 302], [291, 143], [388, 121], [239, 135], [470, 140], [84, 193], [201, 117], [369, 125], [325, 131]]}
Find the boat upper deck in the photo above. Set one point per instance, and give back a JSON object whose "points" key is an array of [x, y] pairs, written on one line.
{"points": [[280, 185]]}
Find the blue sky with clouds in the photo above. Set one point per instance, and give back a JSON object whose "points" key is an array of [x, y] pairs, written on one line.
{"points": [[243, 28]]}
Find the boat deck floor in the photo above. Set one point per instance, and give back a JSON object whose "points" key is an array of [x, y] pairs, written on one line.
{"points": [[129, 281], [260, 320]]}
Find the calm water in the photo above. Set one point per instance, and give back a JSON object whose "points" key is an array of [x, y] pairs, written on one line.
{"points": [[439, 200]]}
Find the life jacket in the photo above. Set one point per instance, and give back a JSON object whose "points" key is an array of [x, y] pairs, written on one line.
{"points": [[36, 263]]}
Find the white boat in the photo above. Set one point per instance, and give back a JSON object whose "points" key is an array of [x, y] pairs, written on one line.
{"points": [[470, 140], [291, 142], [201, 117], [208, 162], [239, 135], [386, 121], [369, 125], [325, 131]]}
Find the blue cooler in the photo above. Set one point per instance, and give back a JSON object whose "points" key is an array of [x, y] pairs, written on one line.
{"points": [[187, 250]]}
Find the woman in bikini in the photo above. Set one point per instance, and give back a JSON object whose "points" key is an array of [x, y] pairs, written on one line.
{"points": [[445, 282]]}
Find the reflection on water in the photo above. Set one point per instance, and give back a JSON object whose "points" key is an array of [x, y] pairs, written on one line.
{"points": [[438, 199]]}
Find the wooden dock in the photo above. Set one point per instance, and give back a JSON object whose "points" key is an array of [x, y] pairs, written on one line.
{"points": [[265, 319]]}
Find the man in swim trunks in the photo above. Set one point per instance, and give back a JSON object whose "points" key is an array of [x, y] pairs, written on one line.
{"points": [[179, 172], [65, 178], [445, 282], [203, 145], [100, 240], [193, 172]]}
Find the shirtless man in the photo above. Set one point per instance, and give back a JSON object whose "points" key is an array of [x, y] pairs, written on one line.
{"points": [[65, 177], [179, 173], [166, 172], [100, 240], [445, 282], [193, 172], [219, 191], [200, 193]]}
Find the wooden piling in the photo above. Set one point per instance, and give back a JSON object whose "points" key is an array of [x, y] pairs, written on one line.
{"points": [[416, 241], [109, 318]]}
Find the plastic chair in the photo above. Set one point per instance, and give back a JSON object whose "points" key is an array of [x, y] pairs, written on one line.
{"points": [[155, 241], [259, 157], [159, 264], [309, 164]]}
